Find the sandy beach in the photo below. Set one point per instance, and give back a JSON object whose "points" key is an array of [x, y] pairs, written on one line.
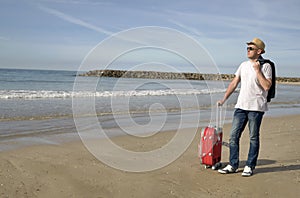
{"points": [[69, 170]]}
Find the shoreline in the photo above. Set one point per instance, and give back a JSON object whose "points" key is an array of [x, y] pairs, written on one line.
{"points": [[57, 130], [69, 170]]}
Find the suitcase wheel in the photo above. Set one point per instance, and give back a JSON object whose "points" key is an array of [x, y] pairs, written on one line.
{"points": [[217, 166]]}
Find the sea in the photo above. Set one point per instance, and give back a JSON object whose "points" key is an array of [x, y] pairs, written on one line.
{"points": [[46, 106]]}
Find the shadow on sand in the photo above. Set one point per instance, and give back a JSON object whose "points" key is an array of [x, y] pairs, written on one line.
{"points": [[279, 168], [270, 169], [263, 162]]}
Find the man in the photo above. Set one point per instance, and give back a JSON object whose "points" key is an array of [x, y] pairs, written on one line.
{"points": [[255, 81]]}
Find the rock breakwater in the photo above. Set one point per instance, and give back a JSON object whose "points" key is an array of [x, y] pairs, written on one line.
{"points": [[156, 75], [172, 75]]}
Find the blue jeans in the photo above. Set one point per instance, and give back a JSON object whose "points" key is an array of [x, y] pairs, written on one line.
{"points": [[240, 119]]}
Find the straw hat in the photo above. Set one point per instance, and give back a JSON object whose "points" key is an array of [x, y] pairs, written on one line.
{"points": [[258, 43]]}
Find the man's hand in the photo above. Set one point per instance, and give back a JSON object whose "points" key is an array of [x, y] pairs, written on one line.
{"points": [[220, 102], [256, 66]]}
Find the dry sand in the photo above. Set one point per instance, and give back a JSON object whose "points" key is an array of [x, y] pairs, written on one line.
{"points": [[69, 170]]}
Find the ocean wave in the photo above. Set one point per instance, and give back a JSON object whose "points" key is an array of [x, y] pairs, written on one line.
{"points": [[44, 94]]}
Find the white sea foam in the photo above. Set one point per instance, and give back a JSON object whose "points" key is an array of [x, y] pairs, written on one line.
{"points": [[42, 94]]}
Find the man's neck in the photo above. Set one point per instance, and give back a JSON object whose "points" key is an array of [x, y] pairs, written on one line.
{"points": [[254, 59]]}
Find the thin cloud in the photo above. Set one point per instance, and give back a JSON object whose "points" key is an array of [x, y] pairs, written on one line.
{"points": [[74, 20], [191, 30], [241, 23], [79, 22], [293, 49], [85, 2], [4, 38]]}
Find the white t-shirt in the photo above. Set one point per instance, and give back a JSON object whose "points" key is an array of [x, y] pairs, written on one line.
{"points": [[252, 96]]}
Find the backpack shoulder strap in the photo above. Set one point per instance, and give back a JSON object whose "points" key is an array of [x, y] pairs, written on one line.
{"points": [[271, 92]]}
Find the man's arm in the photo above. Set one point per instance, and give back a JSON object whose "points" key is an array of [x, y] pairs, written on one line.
{"points": [[265, 83], [230, 89]]}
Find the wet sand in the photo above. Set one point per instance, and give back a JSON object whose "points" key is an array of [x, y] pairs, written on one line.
{"points": [[69, 170]]}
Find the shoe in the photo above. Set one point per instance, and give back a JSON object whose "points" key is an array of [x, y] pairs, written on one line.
{"points": [[228, 169], [247, 171]]}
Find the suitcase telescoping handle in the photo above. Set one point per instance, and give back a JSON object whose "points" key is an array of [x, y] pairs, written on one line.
{"points": [[218, 116]]}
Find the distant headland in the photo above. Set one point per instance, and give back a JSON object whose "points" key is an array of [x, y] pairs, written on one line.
{"points": [[172, 75]]}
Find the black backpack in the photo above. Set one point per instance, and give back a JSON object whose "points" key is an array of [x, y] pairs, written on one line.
{"points": [[271, 92]]}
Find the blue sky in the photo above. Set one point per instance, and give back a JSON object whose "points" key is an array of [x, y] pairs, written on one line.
{"points": [[58, 34]]}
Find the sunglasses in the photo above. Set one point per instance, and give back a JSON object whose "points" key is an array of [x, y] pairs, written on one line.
{"points": [[251, 48]]}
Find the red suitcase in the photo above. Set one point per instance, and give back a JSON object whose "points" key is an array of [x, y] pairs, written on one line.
{"points": [[210, 145]]}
